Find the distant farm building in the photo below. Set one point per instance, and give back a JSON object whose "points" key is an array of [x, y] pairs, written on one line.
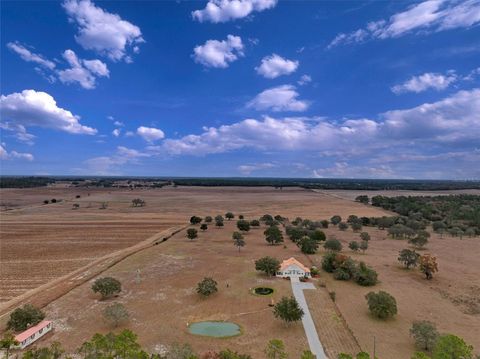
{"points": [[33, 334], [293, 268]]}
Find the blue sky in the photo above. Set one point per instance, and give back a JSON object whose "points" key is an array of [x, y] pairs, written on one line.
{"points": [[351, 89]]}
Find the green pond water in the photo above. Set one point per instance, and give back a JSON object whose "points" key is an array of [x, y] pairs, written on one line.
{"points": [[215, 329]]}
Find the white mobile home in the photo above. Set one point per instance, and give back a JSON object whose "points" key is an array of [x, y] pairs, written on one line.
{"points": [[33, 334]]}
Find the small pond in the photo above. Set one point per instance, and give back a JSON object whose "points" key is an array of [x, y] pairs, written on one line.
{"points": [[263, 290], [215, 329]]}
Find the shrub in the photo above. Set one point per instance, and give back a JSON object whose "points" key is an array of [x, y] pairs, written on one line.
{"points": [[342, 226], [428, 265], [450, 346], [46, 201], [341, 274], [207, 286], [324, 223], [307, 354], [107, 286], [333, 244], [425, 334], [328, 262], [382, 305], [25, 317], [332, 295], [208, 219], [115, 314], [365, 275]]}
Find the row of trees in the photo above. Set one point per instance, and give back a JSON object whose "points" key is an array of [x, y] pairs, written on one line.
{"points": [[124, 345]]}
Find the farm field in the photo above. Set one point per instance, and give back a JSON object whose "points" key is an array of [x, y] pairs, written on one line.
{"points": [[164, 301], [43, 242]]}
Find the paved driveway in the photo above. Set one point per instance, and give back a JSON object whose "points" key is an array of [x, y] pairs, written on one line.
{"points": [[307, 321]]}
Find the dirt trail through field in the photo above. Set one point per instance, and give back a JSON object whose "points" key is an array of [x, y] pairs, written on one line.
{"points": [[47, 293]]}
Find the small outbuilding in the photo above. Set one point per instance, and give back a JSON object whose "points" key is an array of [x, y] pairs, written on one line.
{"points": [[293, 268], [33, 334]]}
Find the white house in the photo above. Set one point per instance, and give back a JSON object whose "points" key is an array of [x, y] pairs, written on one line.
{"points": [[33, 334], [293, 268]]}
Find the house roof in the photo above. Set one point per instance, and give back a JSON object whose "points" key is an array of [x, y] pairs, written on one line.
{"points": [[288, 262], [30, 331]]}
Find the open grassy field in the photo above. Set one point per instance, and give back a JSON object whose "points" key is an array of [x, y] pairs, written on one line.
{"points": [[164, 301]]}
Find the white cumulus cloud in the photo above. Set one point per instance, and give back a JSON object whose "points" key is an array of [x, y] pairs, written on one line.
{"points": [[427, 16], [5, 155], [274, 66], [106, 33], [219, 54], [225, 10], [280, 98], [425, 82], [29, 56], [31, 108], [84, 72], [150, 134]]}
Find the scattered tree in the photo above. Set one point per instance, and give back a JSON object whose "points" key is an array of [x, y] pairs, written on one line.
{"points": [[354, 246], [25, 317], [122, 346], [238, 240], [267, 264], [362, 199], [342, 226], [336, 220], [192, 233], [425, 334], [308, 245], [382, 305], [408, 257], [207, 286], [333, 244], [273, 235], [318, 235], [208, 219], [275, 350], [204, 226], [364, 236], [324, 223], [46, 201], [115, 314], [107, 286], [243, 225], [241, 216], [7, 343], [364, 275], [356, 226], [75, 206], [229, 215], [363, 246], [195, 220], [138, 202], [419, 241], [288, 310], [255, 223], [428, 265]]}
